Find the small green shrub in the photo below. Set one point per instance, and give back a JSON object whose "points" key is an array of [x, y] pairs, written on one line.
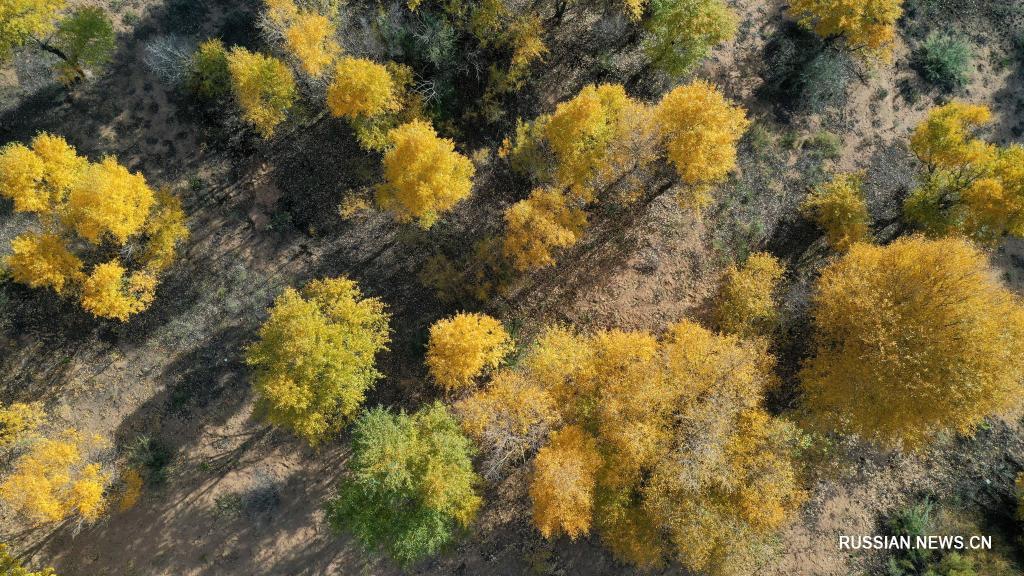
{"points": [[944, 61], [210, 78]]}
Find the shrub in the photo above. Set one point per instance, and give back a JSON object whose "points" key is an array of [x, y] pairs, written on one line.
{"points": [[463, 347], [210, 77], [838, 207], [10, 566], [746, 304], [314, 360], [911, 339], [411, 483], [943, 60]]}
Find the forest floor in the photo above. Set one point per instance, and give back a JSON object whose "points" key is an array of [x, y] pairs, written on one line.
{"points": [[230, 496]]}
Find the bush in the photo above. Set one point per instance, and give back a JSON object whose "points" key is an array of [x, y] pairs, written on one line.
{"points": [[838, 207], [943, 60], [209, 77], [746, 304]]}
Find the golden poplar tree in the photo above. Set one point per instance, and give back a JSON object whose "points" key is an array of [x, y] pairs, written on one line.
{"points": [[314, 360], [867, 26], [661, 447], [361, 88], [83, 210], [968, 186], [57, 478], [700, 128], [913, 338], [264, 88], [307, 35], [424, 176], [541, 223], [463, 347], [746, 304]]}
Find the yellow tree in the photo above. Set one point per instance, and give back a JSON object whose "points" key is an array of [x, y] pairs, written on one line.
{"points": [[10, 566], [85, 210], [968, 186], [661, 447], [314, 360], [264, 88], [838, 207], [463, 347], [911, 339], [424, 176], [509, 419], [746, 304], [58, 478], [544, 221], [596, 137], [23, 20], [866, 25], [563, 483], [109, 293], [700, 128], [108, 202], [361, 88], [307, 35], [82, 38], [18, 421]]}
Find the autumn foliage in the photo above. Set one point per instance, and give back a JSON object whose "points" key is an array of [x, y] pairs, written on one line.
{"points": [[968, 187], [701, 129], [424, 176], [912, 339], [314, 360], [307, 35], [264, 88], [57, 478], [661, 447], [361, 88], [747, 301], [462, 347], [85, 209], [867, 26], [838, 207], [543, 222]]}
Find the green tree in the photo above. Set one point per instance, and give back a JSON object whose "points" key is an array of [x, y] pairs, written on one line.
{"points": [[681, 33], [411, 483], [314, 360], [86, 38], [83, 39]]}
